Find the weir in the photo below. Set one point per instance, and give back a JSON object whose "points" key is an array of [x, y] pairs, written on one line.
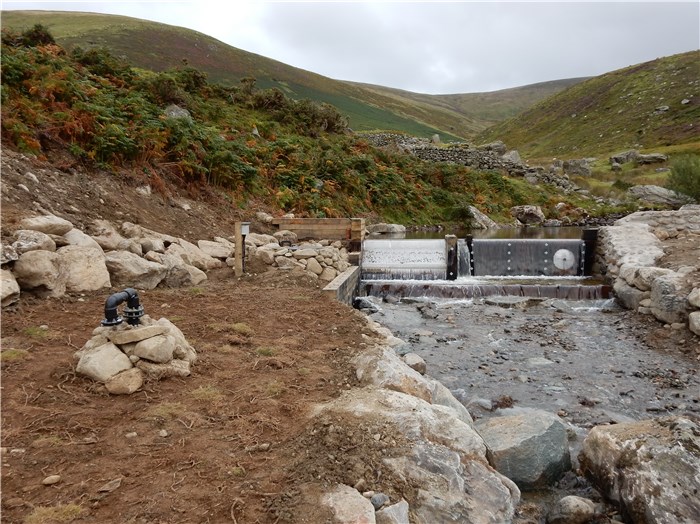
{"points": [[466, 268]]}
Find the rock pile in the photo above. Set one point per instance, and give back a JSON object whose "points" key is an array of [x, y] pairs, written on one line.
{"points": [[123, 356], [49, 257]]}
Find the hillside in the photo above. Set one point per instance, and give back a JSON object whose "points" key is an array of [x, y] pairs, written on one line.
{"points": [[649, 105], [486, 108], [157, 47]]}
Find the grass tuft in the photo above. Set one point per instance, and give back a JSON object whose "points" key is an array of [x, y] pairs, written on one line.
{"points": [[60, 514]]}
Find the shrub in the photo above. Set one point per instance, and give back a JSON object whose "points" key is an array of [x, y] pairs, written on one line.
{"points": [[685, 175]]}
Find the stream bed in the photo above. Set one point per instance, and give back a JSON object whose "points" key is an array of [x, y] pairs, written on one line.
{"points": [[587, 361]]}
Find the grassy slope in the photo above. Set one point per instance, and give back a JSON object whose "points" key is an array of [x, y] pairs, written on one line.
{"points": [[157, 46], [611, 112]]}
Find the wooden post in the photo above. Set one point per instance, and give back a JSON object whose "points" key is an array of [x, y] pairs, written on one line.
{"points": [[240, 250]]}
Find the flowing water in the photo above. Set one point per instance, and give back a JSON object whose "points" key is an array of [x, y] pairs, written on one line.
{"points": [[550, 343]]}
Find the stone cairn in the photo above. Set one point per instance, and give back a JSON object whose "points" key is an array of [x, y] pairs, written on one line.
{"points": [[123, 356]]}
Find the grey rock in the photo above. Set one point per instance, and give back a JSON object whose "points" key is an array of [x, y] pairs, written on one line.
{"points": [[8, 254], [648, 467], [577, 167], [694, 322], [286, 237], [49, 224], [658, 195], [394, 514], [528, 214], [216, 249], [669, 301], [29, 240], [75, 237], [9, 289], [84, 268], [40, 272], [130, 270], [348, 505], [528, 446], [383, 228], [174, 368], [694, 297], [415, 362], [572, 510], [176, 112], [480, 220], [126, 382], [126, 334], [103, 362], [378, 500], [157, 349]]}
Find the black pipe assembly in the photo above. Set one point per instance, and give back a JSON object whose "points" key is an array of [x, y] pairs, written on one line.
{"points": [[132, 312]]}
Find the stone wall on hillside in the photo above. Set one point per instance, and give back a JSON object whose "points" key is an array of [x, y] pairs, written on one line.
{"points": [[492, 156]]}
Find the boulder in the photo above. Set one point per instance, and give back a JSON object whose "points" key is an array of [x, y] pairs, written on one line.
{"points": [[383, 228], [135, 231], [48, 224], [75, 237], [8, 254], [158, 349], [669, 294], [693, 322], [40, 272], [572, 510], [109, 239], [445, 459], [174, 368], [651, 158], [103, 362], [127, 334], [512, 156], [259, 239], [286, 237], [313, 265], [183, 350], [528, 214], [628, 243], [658, 195], [84, 268], [192, 255], [30, 240], [630, 297], [126, 382], [216, 249], [694, 297], [650, 468], [175, 112], [348, 506], [415, 362], [577, 167], [393, 514], [480, 221], [130, 270], [624, 157], [265, 218], [9, 289], [528, 446], [497, 147], [179, 274]]}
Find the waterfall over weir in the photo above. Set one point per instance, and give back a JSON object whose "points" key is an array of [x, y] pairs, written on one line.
{"points": [[547, 268]]}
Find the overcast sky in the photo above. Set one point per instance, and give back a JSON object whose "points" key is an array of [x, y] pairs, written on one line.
{"points": [[431, 46]]}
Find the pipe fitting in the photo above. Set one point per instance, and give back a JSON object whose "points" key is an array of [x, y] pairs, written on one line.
{"points": [[133, 310]]}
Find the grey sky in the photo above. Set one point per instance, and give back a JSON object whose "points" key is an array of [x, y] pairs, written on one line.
{"points": [[432, 47]]}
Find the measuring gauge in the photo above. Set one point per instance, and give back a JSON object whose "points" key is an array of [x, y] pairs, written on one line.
{"points": [[564, 259]]}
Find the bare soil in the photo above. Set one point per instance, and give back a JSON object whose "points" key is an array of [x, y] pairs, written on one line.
{"points": [[231, 443]]}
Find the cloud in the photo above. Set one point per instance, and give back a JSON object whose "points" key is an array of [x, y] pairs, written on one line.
{"points": [[433, 47]]}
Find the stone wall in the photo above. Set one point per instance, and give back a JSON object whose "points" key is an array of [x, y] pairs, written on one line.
{"points": [[492, 156], [630, 254]]}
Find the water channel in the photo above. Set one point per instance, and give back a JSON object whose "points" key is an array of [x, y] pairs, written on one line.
{"points": [[589, 361]]}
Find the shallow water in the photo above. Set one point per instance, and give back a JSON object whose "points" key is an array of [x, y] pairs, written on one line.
{"points": [[585, 360]]}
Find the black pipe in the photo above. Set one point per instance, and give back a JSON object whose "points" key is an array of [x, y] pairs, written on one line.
{"points": [[133, 310]]}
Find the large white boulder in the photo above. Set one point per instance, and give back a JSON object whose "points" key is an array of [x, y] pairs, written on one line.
{"points": [[130, 270], [109, 239], [650, 468], [84, 268], [40, 272], [193, 256], [348, 506], [49, 224], [75, 237]]}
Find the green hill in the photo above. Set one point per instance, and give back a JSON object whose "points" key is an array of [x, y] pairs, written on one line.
{"points": [[157, 47], [649, 105]]}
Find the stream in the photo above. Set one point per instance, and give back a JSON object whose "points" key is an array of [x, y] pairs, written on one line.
{"points": [[587, 361]]}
